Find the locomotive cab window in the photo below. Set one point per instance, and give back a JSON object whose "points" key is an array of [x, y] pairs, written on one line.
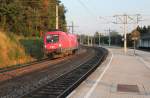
{"points": [[52, 38]]}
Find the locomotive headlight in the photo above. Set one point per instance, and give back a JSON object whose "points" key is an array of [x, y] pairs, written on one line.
{"points": [[59, 45], [44, 46]]}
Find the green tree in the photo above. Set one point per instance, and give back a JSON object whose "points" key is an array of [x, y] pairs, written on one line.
{"points": [[25, 17]]}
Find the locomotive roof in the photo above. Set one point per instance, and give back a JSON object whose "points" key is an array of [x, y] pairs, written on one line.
{"points": [[55, 32]]}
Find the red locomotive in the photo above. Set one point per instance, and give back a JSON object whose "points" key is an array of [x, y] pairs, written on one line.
{"points": [[58, 42]]}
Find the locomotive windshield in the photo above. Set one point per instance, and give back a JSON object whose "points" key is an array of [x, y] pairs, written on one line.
{"points": [[52, 38]]}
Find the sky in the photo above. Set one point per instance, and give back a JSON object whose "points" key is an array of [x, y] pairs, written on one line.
{"points": [[90, 16]]}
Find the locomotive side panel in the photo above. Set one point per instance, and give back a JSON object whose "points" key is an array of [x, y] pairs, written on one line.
{"points": [[74, 42], [58, 42]]}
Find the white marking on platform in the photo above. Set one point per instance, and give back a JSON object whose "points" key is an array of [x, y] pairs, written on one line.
{"points": [[69, 96], [145, 63], [98, 80]]}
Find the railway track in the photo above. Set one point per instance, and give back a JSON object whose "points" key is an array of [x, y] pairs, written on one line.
{"points": [[19, 66], [61, 73], [63, 85]]}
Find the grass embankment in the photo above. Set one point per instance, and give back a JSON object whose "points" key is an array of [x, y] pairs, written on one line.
{"points": [[18, 50]]}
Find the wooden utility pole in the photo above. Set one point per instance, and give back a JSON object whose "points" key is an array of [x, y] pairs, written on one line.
{"points": [[57, 18]]}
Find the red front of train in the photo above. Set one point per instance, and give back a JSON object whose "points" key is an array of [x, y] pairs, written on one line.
{"points": [[58, 42]]}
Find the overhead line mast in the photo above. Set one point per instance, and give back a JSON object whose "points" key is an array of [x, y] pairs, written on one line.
{"points": [[125, 20], [72, 26], [109, 39]]}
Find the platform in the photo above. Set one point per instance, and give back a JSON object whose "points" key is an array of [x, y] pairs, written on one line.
{"points": [[120, 76]]}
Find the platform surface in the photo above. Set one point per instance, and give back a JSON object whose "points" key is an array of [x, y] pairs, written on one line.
{"points": [[120, 76]]}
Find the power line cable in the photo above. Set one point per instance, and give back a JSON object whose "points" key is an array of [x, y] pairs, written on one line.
{"points": [[86, 8]]}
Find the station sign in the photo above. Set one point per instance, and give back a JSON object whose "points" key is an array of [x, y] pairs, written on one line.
{"points": [[135, 35]]}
